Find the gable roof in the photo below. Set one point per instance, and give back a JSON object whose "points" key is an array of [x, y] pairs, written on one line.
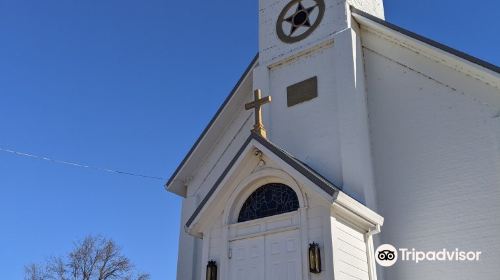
{"points": [[361, 17], [426, 40], [320, 181]]}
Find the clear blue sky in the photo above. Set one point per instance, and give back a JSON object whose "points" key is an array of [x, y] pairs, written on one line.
{"points": [[130, 85]]}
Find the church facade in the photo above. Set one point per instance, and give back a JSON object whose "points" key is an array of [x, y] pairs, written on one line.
{"points": [[345, 132]]}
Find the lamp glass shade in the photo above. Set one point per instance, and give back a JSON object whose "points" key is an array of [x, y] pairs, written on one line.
{"points": [[314, 258], [212, 270]]}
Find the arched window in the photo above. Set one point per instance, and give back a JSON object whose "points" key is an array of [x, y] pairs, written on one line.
{"points": [[269, 200]]}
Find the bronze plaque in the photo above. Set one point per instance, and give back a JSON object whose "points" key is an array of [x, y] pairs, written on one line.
{"points": [[301, 92]]}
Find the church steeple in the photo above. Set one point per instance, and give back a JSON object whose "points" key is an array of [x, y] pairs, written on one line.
{"points": [[287, 26], [310, 62]]}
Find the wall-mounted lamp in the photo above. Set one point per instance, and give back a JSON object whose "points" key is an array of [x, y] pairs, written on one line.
{"points": [[212, 270], [314, 258]]}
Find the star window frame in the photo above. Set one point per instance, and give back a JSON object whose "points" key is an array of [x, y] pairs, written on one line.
{"points": [[302, 11]]}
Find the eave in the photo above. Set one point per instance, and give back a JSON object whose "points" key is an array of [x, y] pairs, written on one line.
{"points": [[342, 203], [453, 58], [328, 187]]}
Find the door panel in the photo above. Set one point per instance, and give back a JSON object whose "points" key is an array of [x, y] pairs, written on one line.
{"points": [[270, 257], [247, 261], [283, 260]]}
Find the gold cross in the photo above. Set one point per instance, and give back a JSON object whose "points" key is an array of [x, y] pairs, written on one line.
{"points": [[257, 106]]}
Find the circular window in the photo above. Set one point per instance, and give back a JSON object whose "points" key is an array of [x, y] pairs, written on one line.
{"points": [[298, 19]]}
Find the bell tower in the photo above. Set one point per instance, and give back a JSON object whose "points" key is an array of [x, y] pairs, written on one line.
{"points": [[310, 63], [287, 26]]}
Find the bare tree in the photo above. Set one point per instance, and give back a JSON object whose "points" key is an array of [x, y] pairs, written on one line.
{"points": [[93, 258], [35, 272]]}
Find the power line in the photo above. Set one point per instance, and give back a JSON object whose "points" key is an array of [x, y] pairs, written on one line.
{"points": [[79, 164]]}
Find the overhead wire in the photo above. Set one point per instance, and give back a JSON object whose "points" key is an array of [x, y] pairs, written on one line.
{"points": [[81, 165]]}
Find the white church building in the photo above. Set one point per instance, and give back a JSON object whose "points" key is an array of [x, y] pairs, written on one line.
{"points": [[345, 132]]}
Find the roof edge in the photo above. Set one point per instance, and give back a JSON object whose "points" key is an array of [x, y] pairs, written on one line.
{"points": [[327, 186], [212, 121], [443, 47], [217, 183], [318, 179]]}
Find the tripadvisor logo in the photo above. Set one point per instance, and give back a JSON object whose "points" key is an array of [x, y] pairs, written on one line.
{"points": [[387, 255]]}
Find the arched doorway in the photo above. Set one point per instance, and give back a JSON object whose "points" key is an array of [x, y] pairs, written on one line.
{"points": [[265, 241]]}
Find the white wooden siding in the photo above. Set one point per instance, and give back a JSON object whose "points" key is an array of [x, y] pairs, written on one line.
{"points": [[350, 256]]}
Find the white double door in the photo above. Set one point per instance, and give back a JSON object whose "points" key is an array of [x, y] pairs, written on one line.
{"points": [[268, 257]]}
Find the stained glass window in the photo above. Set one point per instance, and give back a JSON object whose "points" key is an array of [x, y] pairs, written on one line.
{"points": [[269, 200]]}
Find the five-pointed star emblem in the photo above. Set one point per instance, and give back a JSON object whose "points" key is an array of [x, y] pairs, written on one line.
{"points": [[300, 17]]}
